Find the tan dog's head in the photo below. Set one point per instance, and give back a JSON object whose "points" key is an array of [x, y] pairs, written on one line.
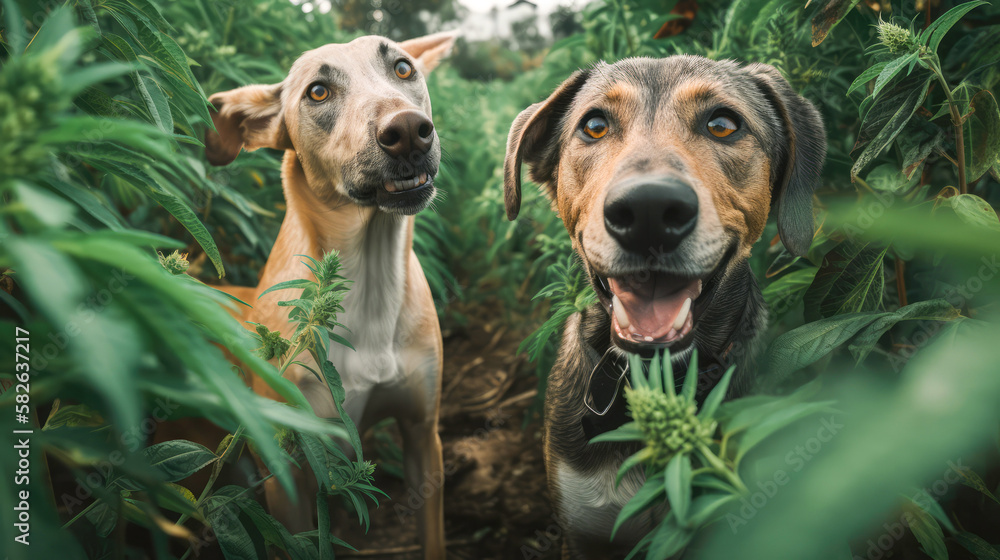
{"points": [[357, 115], [663, 171]]}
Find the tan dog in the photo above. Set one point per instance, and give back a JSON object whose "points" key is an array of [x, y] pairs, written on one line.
{"points": [[663, 172], [360, 158]]}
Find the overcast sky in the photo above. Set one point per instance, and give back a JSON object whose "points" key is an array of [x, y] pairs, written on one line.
{"points": [[545, 6]]}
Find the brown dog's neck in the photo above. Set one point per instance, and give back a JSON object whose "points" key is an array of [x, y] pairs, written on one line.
{"points": [[373, 245]]}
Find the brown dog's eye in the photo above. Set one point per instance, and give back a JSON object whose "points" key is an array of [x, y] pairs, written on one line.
{"points": [[403, 69], [596, 127], [722, 126], [318, 92]]}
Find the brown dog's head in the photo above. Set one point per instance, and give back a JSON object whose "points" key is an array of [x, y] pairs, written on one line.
{"points": [[663, 171], [357, 115]]}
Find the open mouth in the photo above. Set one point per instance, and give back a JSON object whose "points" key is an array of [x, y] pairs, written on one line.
{"points": [[654, 309], [408, 184]]}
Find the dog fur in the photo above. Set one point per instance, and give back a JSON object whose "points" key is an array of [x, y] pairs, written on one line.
{"points": [[657, 111], [334, 177]]}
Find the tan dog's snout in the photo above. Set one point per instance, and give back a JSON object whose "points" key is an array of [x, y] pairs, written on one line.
{"points": [[650, 212], [405, 134]]}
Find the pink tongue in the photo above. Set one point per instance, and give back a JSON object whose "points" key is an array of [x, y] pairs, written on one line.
{"points": [[652, 305]]}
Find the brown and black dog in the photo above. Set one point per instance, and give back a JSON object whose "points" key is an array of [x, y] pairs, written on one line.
{"points": [[663, 172]]}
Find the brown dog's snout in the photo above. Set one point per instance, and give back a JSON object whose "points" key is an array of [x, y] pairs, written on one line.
{"points": [[405, 132], [650, 214]]}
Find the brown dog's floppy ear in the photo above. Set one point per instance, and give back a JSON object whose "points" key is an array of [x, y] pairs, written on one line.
{"points": [[797, 171], [429, 50], [248, 117], [532, 139]]}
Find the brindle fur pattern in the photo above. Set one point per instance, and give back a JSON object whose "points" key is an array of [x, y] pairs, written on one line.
{"points": [[657, 110]]}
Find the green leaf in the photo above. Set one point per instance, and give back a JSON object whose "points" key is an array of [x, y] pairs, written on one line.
{"points": [[921, 498], [651, 490], [233, 537], [781, 418], [288, 284], [718, 393], [930, 310], [887, 117], [669, 539], [800, 347], [936, 31], [828, 17], [705, 506], [890, 71], [927, 531], [983, 135], [849, 280], [156, 103], [178, 459], [974, 481], [973, 211], [691, 378], [677, 483], [868, 75], [626, 432], [977, 545], [14, 32]]}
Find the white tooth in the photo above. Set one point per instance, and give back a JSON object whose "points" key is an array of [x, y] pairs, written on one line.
{"points": [[683, 315], [648, 339], [390, 186], [616, 306]]}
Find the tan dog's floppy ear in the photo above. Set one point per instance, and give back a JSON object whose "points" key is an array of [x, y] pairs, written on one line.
{"points": [[796, 174], [430, 49], [248, 117], [531, 139]]}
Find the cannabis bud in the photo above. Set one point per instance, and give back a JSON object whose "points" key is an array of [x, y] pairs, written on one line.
{"points": [[669, 424], [896, 38], [175, 263], [272, 345]]}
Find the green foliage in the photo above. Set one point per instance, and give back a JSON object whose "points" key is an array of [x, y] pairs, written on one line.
{"points": [[689, 470]]}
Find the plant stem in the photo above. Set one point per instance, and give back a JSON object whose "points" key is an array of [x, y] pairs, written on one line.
{"points": [[900, 281], [956, 120], [81, 514]]}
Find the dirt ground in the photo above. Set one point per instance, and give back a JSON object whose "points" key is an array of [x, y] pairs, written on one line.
{"points": [[496, 502]]}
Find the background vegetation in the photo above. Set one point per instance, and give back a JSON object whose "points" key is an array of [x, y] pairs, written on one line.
{"points": [[893, 312]]}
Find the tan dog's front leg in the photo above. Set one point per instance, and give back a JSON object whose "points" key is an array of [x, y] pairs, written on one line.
{"points": [[424, 473], [295, 516]]}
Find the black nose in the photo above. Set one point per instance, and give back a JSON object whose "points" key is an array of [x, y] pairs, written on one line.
{"points": [[650, 215], [404, 133]]}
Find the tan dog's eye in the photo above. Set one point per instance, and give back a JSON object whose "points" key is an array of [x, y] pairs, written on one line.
{"points": [[596, 127], [403, 69], [722, 126], [318, 92]]}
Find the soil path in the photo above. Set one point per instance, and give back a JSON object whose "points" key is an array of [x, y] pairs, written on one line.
{"points": [[496, 503]]}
